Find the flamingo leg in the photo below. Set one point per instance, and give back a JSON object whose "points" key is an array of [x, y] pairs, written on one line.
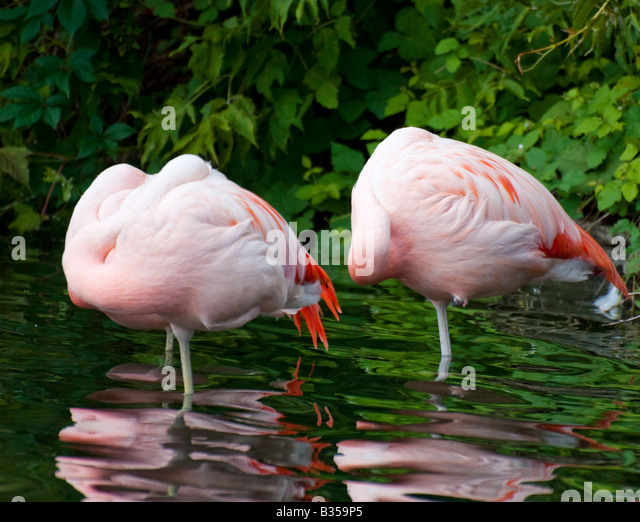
{"points": [[168, 355], [168, 348], [183, 335], [445, 343]]}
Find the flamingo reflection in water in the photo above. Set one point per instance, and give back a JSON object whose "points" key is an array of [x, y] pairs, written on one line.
{"points": [[437, 464], [247, 452]]}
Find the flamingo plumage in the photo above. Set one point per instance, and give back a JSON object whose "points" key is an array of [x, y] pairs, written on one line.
{"points": [[455, 222], [184, 250]]}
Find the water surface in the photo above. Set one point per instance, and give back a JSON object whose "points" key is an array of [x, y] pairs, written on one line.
{"points": [[83, 417]]}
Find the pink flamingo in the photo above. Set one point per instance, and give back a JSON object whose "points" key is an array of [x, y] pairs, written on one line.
{"points": [[454, 222], [187, 249]]}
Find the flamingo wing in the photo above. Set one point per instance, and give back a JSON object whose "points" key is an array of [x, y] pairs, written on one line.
{"points": [[301, 270]]}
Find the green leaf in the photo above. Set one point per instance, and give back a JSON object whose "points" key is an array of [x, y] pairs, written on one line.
{"points": [[51, 175], [274, 70], [327, 95], [313, 4], [206, 60], [26, 219], [21, 94], [110, 147], [587, 126], [572, 156], [629, 153], [559, 113], [345, 159], [355, 69], [130, 86], [38, 7], [51, 116], [633, 172], [583, 10], [30, 29], [6, 51], [633, 266], [374, 135], [12, 14], [351, 110], [449, 119], [452, 63], [242, 118], [280, 13], [342, 222], [13, 161], [536, 158], [596, 156], [602, 98], [396, 104], [88, 146], [629, 191], [515, 88], [571, 179], [54, 70], [71, 14], [327, 49], [608, 196], [418, 40], [530, 139], [210, 15], [118, 131], [98, 9], [447, 45], [28, 115], [286, 113], [80, 64], [10, 111], [56, 100], [306, 192], [417, 114], [165, 10], [96, 124], [343, 30], [390, 40], [611, 114], [624, 85]]}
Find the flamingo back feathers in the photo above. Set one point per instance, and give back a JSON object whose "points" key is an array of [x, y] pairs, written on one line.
{"points": [[441, 193], [186, 195]]}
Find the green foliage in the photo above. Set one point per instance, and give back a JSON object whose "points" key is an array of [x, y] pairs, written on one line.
{"points": [[289, 97], [631, 233]]}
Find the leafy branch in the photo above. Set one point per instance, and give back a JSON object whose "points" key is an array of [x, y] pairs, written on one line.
{"points": [[573, 35]]}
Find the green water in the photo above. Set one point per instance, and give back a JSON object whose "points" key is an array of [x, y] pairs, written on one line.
{"points": [[555, 404]]}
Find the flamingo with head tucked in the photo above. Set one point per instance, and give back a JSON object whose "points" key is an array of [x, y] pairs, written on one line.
{"points": [[455, 222], [187, 249]]}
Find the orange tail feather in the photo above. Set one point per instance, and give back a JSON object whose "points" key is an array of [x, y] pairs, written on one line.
{"points": [[312, 314], [589, 250], [603, 262]]}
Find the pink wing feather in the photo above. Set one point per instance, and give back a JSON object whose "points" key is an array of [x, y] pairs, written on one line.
{"points": [[266, 218]]}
